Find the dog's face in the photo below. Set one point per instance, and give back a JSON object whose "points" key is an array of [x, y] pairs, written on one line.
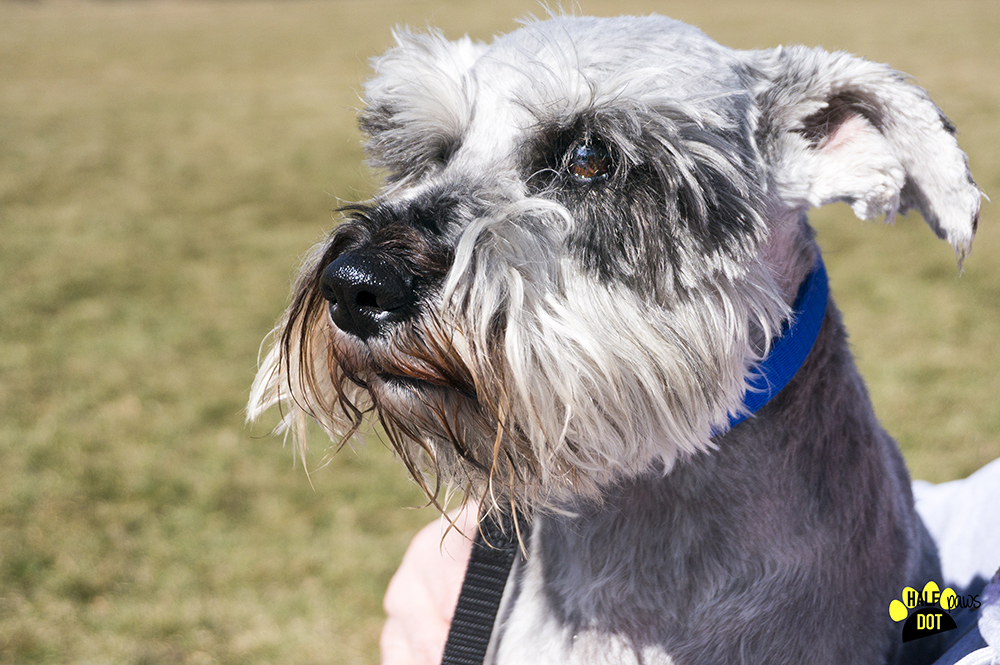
{"points": [[590, 231]]}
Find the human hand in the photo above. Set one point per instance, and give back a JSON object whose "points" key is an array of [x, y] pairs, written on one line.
{"points": [[422, 595]]}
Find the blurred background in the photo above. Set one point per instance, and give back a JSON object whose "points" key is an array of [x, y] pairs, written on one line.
{"points": [[163, 167]]}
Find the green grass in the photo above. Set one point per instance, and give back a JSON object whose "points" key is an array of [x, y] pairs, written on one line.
{"points": [[162, 167]]}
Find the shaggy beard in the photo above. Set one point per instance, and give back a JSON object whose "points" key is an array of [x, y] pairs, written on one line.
{"points": [[525, 385]]}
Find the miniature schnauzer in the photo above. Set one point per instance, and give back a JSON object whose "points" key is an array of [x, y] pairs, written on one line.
{"points": [[567, 299]]}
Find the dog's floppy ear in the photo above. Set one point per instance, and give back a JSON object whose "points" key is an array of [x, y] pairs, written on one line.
{"points": [[419, 102], [835, 127]]}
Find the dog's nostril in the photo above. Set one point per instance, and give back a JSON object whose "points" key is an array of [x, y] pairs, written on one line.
{"points": [[366, 294], [366, 299]]}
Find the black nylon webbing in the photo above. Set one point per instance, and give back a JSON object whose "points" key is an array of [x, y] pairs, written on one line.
{"points": [[493, 553]]}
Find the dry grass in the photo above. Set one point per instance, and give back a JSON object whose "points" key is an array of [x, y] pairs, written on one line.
{"points": [[163, 164]]}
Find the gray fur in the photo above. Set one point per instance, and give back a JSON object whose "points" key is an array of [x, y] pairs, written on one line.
{"points": [[600, 226]]}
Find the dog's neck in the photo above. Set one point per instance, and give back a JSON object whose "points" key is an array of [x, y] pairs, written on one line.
{"points": [[790, 349], [760, 510]]}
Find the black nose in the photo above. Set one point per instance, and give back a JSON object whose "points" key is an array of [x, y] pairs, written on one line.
{"points": [[366, 294]]}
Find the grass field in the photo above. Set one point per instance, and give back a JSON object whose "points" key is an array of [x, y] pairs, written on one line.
{"points": [[162, 167]]}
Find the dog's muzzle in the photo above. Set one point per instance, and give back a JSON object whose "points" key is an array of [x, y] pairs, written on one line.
{"points": [[367, 295]]}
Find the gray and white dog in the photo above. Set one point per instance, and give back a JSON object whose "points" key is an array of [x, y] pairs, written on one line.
{"points": [[592, 232]]}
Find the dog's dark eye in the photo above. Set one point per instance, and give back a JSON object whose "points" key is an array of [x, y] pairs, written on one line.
{"points": [[588, 162]]}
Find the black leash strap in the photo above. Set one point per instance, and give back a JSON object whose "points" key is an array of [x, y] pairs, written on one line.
{"points": [[493, 553]]}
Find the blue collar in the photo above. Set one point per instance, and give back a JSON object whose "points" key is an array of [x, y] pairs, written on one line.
{"points": [[790, 349]]}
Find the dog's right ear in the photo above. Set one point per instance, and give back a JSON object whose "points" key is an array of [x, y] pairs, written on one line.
{"points": [[835, 127], [419, 102]]}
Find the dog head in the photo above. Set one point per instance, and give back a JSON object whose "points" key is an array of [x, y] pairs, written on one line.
{"points": [[589, 232]]}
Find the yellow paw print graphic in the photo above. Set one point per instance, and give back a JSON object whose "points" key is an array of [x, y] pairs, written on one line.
{"points": [[931, 611]]}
